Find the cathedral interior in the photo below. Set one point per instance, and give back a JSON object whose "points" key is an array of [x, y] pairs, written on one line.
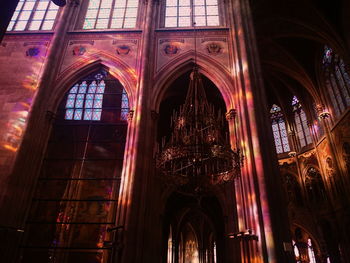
{"points": [[175, 131]]}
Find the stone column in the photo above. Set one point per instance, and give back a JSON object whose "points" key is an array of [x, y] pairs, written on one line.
{"points": [[264, 207], [343, 250], [23, 179], [134, 206]]}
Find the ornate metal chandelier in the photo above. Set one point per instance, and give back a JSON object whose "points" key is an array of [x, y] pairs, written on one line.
{"points": [[197, 155]]}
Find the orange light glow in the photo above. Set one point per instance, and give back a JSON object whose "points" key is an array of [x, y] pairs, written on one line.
{"points": [[9, 147]]}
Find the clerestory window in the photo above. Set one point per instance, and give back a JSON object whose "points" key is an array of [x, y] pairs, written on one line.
{"points": [[302, 129], [337, 80], [113, 14], [87, 99], [279, 129], [33, 15], [187, 13]]}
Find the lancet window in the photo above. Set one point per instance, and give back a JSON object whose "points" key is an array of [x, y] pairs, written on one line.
{"points": [[337, 80], [85, 100], [33, 15], [187, 13], [301, 125], [103, 14], [279, 129]]}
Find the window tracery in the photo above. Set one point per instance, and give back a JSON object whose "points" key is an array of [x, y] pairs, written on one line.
{"points": [[279, 129], [103, 14], [337, 80], [186, 13], [85, 99], [301, 124], [33, 15]]}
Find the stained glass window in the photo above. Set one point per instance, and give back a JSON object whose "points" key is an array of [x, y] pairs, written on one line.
{"points": [[310, 251], [337, 80], [279, 130], [186, 13], [301, 124], [85, 100], [102, 14], [296, 252], [33, 15]]}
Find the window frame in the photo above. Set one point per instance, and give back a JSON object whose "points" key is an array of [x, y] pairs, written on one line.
{"points": [[162, 13], [94, 82], [302, 123], [85, 7], [277, 117], [31, 18], [336, 84]]}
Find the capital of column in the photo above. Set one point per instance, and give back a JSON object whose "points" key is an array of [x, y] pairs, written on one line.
{"points": [[231, 115], [244, 235], [292, 154], [324, 115]]}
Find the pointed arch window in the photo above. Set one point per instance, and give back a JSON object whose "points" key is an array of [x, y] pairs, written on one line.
{"points": [[301, 125], [103, 14], [33, 15], [337, 80], [186, 13], [80, 177], [85, 100], [279, 129]]}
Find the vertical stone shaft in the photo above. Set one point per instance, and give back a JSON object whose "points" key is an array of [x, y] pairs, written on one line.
{"points": [[26, 169]]}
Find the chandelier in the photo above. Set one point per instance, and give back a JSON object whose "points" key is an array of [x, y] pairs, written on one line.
{"points": [[197, 155]]}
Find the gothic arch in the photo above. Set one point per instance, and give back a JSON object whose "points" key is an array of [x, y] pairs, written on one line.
{"points": [[207, 66], [117, 68]]}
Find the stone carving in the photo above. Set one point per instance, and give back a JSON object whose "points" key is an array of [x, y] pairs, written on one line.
{"points": [[32, 52], [214, 48], [171, 49], [79, 50], [123, 50]]}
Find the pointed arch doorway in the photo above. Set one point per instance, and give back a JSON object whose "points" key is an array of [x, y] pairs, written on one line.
{"points": [[193, 224], [193, 230]]}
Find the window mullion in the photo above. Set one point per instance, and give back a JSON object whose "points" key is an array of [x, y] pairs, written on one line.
{"points": [[345, 90], [44, 18], [205, 12], [30, 18], [303, 128], [338, 95], [193, 18], [331, 88], [98, 13], [280, 135], [19, 13], [111, 14], [338, 85], [124, 15]]}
